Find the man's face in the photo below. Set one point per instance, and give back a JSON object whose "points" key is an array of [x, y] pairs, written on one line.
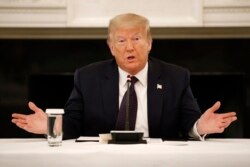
{"points": [[130, 47]]}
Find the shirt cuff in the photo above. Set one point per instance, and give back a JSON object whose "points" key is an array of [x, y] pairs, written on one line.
{"points": [[193, 133]]}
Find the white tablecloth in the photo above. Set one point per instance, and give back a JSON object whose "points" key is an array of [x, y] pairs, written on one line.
{"points": [[213, 152]]}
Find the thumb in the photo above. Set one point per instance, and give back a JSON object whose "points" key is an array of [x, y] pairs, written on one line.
{"points": [[33, 107], [215, 107]]}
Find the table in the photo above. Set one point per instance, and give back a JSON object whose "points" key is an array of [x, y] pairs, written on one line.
{"points": [[212, 152]]}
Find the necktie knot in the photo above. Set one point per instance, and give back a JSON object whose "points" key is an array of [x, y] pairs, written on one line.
{"points": [[133, 79]]}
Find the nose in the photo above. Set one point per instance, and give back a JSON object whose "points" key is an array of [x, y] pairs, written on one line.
{"points": [[130, 46]]}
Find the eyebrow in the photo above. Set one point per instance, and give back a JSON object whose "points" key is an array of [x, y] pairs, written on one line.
{"points": [[136, 34]]}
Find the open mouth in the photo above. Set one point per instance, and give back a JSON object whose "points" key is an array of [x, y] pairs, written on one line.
{"points": [[130, 57]]}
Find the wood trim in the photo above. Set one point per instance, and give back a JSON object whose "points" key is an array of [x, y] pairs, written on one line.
{"points": [[100, 33]]}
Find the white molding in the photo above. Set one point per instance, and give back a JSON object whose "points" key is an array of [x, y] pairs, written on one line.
{"points": [[96, 13], [32, 3], [27, 17], [101, 33], [32, 13], [226, 3], [228, 13], [161, 13]]}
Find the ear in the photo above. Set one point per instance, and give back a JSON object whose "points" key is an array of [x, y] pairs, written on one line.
{"points": [[111, 47], [150, 41]]}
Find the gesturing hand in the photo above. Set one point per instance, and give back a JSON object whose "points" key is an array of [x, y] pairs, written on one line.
{"points": [[211, 122], [34, 123]]}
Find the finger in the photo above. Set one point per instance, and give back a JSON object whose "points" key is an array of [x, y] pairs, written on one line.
{"points": [[227, 122], [14, 121], [228, 115], [215, 107], [22, 126], [19, 116], [33, 107], [220, 130], [230, 119], [19, 121], [224, 124], [233, 119], [28, 128]]}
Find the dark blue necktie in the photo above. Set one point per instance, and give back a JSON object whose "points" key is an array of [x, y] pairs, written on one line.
{"points": [[129, 104]]}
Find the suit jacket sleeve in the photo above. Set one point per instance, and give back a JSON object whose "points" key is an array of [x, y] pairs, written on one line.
{"points": [[93, 104], [189, 107], [73, 108]]}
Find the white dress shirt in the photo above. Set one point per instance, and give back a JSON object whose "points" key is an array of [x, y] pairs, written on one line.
{"points": [[141, 87]]}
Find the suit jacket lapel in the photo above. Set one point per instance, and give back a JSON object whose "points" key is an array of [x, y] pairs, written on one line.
{"points": [[155, 99], [110, 94]]}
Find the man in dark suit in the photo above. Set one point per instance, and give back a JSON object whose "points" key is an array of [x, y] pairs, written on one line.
{"points": [[165, 106]]}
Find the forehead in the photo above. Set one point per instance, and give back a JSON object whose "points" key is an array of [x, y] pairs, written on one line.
{"points": [[120, 31]]}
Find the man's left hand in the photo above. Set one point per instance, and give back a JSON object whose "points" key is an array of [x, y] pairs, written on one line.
{"points": [[211, 122]]}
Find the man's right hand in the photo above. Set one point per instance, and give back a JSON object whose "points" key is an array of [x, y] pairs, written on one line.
{"points": [[34, 123]]}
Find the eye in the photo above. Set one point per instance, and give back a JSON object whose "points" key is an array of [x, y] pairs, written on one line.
{"points": [[121, 41], [136, 39]]}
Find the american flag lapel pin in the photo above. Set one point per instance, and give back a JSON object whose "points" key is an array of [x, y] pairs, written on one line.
{"points": [[159, 86]]}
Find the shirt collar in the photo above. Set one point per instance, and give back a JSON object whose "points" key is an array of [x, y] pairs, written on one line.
{"points": [[141, 76]]}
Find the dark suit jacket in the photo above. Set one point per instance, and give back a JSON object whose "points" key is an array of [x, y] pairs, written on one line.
{"points": [[93, 105]]}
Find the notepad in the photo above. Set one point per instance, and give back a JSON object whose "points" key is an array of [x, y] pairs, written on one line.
{"points": [[87, 139]]}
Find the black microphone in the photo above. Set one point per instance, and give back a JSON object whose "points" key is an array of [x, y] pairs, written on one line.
{"points": [[127, 103], [127, 136]]}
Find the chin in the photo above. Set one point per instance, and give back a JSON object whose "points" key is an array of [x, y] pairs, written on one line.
{"points": [[132, 69]]}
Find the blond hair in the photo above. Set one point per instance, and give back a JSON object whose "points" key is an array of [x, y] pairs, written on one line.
{"points": [[128, 20]]}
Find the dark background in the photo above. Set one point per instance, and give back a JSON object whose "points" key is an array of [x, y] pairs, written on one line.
{"points": [[214, 58]]}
